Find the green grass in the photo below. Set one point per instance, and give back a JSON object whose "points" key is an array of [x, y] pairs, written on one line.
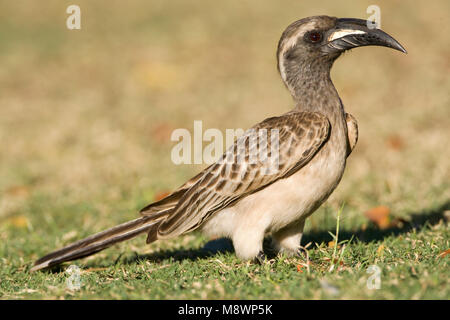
{"points": [[85, 124], [193, 267]]}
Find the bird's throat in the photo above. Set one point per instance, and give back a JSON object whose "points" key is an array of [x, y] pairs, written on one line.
{"points": [[314, 91], [317, 95]]}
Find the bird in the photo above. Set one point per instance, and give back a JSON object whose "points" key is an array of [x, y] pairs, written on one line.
{"points": [[246, 198]]}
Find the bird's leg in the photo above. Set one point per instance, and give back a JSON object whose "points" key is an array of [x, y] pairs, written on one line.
{"points": [[248, 244], [288, 239], [302, 253]]}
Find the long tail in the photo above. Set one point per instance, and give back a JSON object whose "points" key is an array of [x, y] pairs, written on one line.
{"points": [[101, 240]]}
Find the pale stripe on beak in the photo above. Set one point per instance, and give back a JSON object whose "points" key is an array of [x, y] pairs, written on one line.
{"points": [[342, 33]]}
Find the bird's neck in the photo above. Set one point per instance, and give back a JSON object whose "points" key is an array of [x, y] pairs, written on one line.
{"points": [[316, 93], [313, 90]]}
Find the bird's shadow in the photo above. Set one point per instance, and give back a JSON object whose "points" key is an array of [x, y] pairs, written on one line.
{"points": [[416, 221]]}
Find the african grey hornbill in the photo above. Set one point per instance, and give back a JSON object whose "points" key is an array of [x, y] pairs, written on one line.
{"points": [[246, 200]]}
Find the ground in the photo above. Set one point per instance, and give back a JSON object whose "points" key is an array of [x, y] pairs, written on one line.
{"points": [[85, 123]]}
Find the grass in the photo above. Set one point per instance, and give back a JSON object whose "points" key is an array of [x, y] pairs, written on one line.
{"points": [[85, 124], [187, 269]]}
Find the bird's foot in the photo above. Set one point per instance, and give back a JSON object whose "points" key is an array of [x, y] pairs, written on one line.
{"points": [[261, 258], [302, 253]]}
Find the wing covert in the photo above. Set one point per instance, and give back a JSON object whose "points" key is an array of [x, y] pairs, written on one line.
{"points": [[273, 149]]}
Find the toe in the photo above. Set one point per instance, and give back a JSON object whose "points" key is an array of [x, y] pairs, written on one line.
{"points": [[260, 258]]}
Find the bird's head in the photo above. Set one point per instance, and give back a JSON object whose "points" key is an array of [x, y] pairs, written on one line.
{"points": [[308, 47]]}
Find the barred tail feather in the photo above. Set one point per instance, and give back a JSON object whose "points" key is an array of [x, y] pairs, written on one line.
{"points": [[101, 240]]}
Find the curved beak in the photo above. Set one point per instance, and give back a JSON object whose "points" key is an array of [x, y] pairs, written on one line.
{"points": [[351, 33]]}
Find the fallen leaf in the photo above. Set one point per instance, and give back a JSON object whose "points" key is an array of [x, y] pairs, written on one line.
{"points": [[299, 268], [379, 216], [331, 244], [444, 253], [161, 195], [162, 132], [380, 250], [19, 221], [395, 142], [18, 191]]}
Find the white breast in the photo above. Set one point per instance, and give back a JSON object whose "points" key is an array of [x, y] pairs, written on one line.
{"points": [[286, 200]]}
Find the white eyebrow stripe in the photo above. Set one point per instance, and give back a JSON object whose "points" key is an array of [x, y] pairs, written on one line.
{"points": [[282, 68], [290, 43], [342, 33], [292, 40]]}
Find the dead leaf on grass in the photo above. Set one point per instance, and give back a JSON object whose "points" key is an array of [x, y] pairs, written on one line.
{"points": [[444, 253], [161, 195], [19, 222]]}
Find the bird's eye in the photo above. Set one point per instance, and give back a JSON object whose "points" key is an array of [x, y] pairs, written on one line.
{"points": [[314, 36]]}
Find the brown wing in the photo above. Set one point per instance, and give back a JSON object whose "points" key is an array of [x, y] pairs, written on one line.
{"points": [[273, 149], [168, 203], [352, 132]]}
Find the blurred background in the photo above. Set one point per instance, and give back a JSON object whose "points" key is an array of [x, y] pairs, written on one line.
{"points": [[86, 115]]}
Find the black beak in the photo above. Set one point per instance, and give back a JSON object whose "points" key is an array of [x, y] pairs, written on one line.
{"points": [[351, 33]]}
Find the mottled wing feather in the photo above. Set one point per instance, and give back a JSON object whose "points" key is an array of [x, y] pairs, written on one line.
{"points": [[290, 140], [170, 201], [352, 132]]}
